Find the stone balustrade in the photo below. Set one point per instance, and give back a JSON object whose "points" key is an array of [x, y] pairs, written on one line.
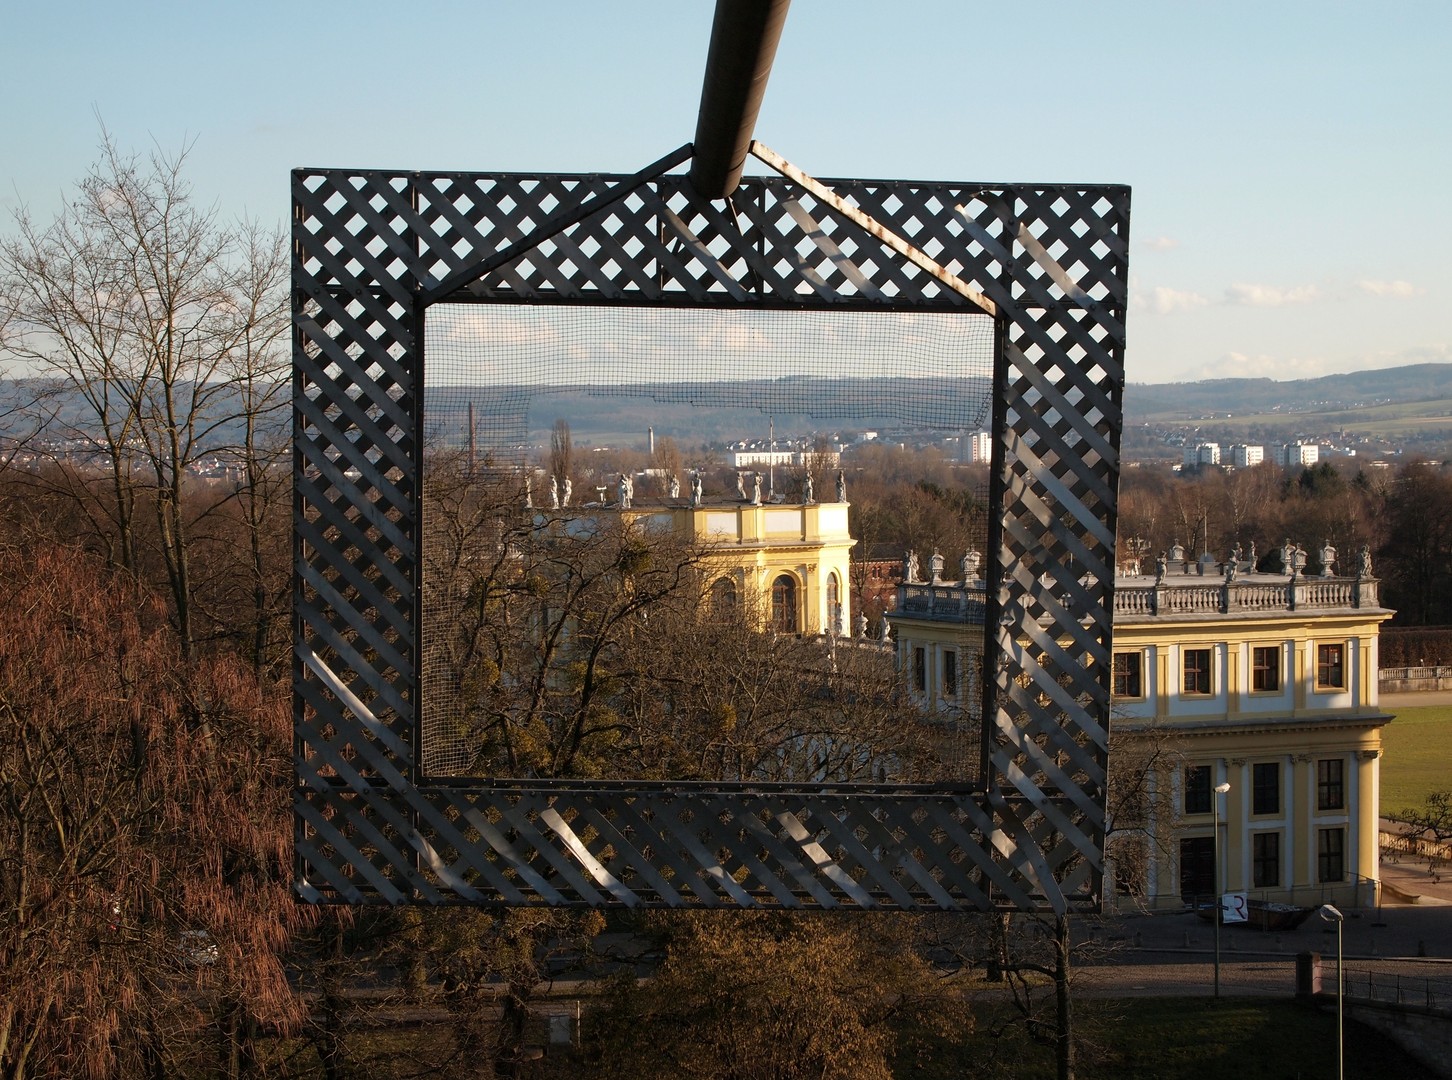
{"points": [[1137, 598], [945, 601], [1173, 596]]}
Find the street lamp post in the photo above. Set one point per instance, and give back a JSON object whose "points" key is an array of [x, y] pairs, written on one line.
{"points": [[1331, 914], [1220, 789]]}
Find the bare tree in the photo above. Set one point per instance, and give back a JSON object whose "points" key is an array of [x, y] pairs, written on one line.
{"points": [[529, 616], [1429, 829], [562, 452], [256, 447], [667, 460], [164, 325], [581, 643], [757, 995], [144, 904], [488, 967], [67, 315], [1141, 817]]}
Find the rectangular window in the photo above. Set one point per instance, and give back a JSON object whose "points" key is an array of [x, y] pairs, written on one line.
{"points": [[1197, 866], [1265, 789], [1331, 667], [950, 673], [1197, 789], [1129, 675], [1331, 855], [1265, 859], [1265, 668], [920, 670], [1331, 784], [1197, 671]]}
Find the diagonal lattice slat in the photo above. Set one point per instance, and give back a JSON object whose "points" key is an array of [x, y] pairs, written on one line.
{"points": [[643, 846], [371, 249]]}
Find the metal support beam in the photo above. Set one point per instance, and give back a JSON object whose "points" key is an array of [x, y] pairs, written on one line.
{"points": [[914, 255], [553, 225], [744, 36]]}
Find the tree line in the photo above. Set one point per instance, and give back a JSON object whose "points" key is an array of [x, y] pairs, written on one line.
{"points": [[1401, 515]]}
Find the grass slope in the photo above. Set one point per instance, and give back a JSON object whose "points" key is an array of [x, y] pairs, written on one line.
{"points": [[1416, 756]]}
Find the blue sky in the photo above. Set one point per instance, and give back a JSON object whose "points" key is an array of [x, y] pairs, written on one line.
{"points": [[1291, 161]]}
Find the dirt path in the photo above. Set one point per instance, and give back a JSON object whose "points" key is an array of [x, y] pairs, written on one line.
{"points": [[1415, 700]]}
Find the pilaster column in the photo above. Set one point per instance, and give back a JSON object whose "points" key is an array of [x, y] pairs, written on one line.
{"points": [[1300, 819], [1232, 678], [1366, 674], [1302, 671], [1164, 685], [811, 602], [1363, 841], [1233, 839]]}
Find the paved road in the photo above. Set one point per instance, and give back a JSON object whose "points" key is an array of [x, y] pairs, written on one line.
{"points": [[1173, 954]]}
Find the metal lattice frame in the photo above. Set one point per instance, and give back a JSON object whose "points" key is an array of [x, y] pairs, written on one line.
{"points": [[373, 249]]}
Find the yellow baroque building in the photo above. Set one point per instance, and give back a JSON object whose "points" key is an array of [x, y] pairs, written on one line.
{"points": [[1256, 692], [787, 562]]}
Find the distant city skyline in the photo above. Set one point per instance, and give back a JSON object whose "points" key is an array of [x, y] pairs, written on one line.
{"points": [[1288, 160]]}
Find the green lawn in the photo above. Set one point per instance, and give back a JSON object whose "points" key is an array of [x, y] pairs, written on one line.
{"points": [[1416, 756]]}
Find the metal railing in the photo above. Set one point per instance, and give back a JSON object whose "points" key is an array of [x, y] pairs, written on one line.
{"points": [[1427, 989], [1354, 894]]}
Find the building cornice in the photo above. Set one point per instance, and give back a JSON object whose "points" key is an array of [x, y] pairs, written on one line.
{"points": [[1296, 617], [1206, 727]]}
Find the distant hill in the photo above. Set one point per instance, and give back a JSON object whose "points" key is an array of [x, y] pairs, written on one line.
{"points": [[1407, 409], [1358, 389], [1382, 413]]}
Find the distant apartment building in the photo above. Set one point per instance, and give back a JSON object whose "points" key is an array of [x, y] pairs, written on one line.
{"points": [[1299, 455], [741, 459], [1205, 453], [1243, 457], [760, 457], [980, 447]]}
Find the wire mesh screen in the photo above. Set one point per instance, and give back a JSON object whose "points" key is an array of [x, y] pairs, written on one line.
{"points": [[625, 507], [899, 373]]}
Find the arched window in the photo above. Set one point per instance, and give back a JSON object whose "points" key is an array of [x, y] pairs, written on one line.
{"points": [[834, 604], [784, 604], [723, 604]]}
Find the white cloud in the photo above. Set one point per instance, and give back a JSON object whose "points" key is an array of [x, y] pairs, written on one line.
{"points": [[1165, 301], [1269, 296], [1158, 243], [1390, 288], [1440, 353], [1239, 365]]}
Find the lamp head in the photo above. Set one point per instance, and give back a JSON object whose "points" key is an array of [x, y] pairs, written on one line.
{"points": [[1330, 913], [1222, 788]]}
